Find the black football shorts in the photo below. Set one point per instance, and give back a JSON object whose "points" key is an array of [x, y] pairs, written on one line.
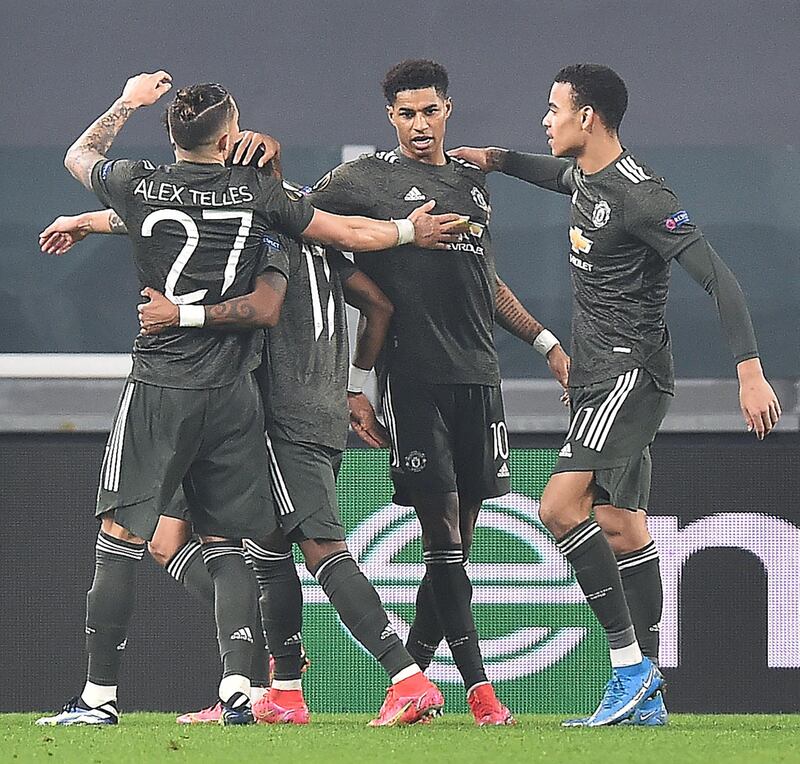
{"points": [[612, 425], [446, 438], [210, 441]]}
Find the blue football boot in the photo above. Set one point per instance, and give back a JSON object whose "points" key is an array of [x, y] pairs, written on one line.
{"points": [[628, 688], [652, 713]]}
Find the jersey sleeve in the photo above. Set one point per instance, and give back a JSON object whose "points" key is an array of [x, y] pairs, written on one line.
{"points": [[275, 254], [708, 269], [345, 267], [548, 172], [110, 180], [286, 211], [341, 191], [653, 214]]}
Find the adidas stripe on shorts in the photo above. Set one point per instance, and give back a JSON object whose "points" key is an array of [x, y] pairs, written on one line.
{"points": [[445, 438], [612, 425], [303, 477], [211, 441]]}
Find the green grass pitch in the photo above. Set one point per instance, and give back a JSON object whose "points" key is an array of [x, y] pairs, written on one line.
{"points": [[330, 739]]}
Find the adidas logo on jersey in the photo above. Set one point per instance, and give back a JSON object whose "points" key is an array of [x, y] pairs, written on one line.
{"points": [[631, 170], [295, 639], [244, 634], [503, 471], [387, 632], [566, 451], [122, 645], [414, 195]]}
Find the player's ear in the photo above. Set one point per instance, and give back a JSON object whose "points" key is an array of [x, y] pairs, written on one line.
{"points": [[390, 112], [448, 107], [587, 118], [224, 143]]}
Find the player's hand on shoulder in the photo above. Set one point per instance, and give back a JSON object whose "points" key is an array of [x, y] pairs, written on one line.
{"points": [[558, 362], [157, 314], [62, 234], [248, 144], [437, 231], [364, 422], [145, 89], [760, 406], [485, 158]]}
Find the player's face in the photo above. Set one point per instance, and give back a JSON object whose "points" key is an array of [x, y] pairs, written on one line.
{"points": [[420, 116], [564, 124]]}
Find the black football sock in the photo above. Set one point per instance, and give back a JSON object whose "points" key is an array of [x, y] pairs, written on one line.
{"points": [[426, 632], [360, 609], [452, 591], [281, 604], [109, 606], [234, 605], [187, 568], [259, 671], [589, 553], [641, 579]]}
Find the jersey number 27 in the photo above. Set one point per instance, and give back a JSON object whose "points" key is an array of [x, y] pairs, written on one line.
{"points": [[192, 240]]}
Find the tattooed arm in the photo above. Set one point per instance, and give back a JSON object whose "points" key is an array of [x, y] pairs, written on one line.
{"points": [[259, 309], [66, 231], [511, 314], [91, 147]]}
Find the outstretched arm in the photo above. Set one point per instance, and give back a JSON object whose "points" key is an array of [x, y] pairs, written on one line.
{"points": [[511, 314], [541, 170], [258, 309], [354, 233], [91, 147], [760, 406], [66, 231], [376, 315]]}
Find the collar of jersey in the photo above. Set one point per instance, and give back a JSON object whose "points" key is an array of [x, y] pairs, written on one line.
{"points": [[200, 164], [601, 173], [434, 168]]}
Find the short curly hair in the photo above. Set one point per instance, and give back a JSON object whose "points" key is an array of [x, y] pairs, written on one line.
{"points": [[597, 86], [415, 74]]}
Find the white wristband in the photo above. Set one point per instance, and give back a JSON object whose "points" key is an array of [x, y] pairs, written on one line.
{"points": [[405, 231], [545, 341], [191, 315], [356, 379]]}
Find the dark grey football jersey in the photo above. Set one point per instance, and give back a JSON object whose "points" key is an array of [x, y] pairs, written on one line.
{"points": [[442, 328], [197, 233], [304, 375], [625, 228]]}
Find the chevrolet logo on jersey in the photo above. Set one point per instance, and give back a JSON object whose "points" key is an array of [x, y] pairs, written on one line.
{"points": [[476, 229], [580, 244]]}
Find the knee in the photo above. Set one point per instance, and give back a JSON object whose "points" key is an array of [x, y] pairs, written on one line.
{"points": [[116, 531], [440, 533], [160, 551], [560, 513], [626, 530], [316, 550]]}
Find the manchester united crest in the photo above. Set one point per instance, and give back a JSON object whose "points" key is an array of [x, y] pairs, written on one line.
{"points": [[600, 214]]}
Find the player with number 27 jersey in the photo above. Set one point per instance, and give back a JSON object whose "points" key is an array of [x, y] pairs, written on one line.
{"points": [[197, 232]]}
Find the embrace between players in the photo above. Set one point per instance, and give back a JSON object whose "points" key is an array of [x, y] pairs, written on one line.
{"points": [[244, 330]]}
